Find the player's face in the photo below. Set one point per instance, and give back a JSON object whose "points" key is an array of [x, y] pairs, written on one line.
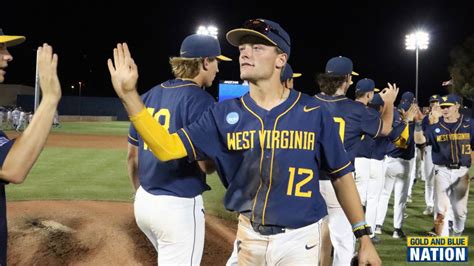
{"points": [[259, 61], [448, 111], [5, 57]]}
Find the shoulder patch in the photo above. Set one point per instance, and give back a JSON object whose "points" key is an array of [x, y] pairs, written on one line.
{"points": [[232, 118]]}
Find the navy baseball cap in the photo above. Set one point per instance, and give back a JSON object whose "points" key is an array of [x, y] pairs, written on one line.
{"points": [[10, 40], [365, 85], [262, 28], [377, 100], [407, 96], [434, 98], [340, 66], [288, 73], [200, 45], [404, 106], [449, 100]]}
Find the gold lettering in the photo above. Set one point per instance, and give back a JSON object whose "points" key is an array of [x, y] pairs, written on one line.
{"points": [[284, 139], [231, 141], [298, 140], [311, 138], [276, 139], [292, 132]]}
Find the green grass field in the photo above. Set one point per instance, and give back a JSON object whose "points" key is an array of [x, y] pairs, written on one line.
{"points": [[100, 174]]}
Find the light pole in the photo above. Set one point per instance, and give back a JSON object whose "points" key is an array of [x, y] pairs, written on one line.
{"points": [[417, 41]]}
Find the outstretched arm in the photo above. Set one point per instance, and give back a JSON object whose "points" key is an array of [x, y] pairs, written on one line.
{"points": [[124, 74], [348, 197], [388, 96], [27, 148]]}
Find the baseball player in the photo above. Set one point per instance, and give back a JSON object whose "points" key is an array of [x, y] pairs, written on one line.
{"points": [[375, 151], [168, 203], [398, 166], [266, 158], [353, 120], [287, 76], [429, 166], [451, 140], [18, 156]]}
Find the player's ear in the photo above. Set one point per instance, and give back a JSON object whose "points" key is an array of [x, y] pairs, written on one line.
{"points": [[281, 60], [205, 63]]}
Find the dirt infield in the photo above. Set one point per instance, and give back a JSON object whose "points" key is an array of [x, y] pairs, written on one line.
{"points": [[94, 233]]}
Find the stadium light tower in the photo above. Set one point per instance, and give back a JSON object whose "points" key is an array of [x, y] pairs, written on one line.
{"points": [[209, 30], [418, 40]]}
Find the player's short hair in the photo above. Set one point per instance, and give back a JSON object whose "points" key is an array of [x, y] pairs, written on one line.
{"points": [[329, 83], [187, 67], [360, 94]]}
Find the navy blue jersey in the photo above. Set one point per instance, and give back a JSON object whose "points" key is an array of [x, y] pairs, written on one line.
{"points": [[5, 146], [354, 120], [407, 150], [269, 161], [451, 142], [367, 145], [174, 104]]}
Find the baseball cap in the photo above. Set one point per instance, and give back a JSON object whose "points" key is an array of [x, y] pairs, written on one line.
{"points": [[407, 96], [365, 85], [434, 98], [262, 28], [377, 100], [449, 100], [404, 105], [200, 45], [288, 73], [340, 66], [11, 40]]}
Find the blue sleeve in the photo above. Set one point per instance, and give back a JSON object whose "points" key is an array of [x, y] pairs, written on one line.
{"points": [[429, 134], [371, 123], [201, 138], [5, 146], [334, 158], [425, 122], [132, 135], [396, 132]]}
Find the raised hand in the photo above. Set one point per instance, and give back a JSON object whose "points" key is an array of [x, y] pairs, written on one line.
{"points": [[389, 95], [123, 71], [48, 75], [412, 112]]}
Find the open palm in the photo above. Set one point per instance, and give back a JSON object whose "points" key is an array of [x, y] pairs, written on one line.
{"points": [[123, 71]]}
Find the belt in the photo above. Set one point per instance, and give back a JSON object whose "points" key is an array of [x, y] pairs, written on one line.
{"points": [[453, 165], [268, 229]]}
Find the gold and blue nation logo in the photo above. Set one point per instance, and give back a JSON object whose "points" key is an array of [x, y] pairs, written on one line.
{"points": [[437, 249]]}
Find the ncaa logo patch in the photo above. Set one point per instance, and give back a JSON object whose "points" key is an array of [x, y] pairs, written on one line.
{"points": [[232, 118], [437, 130]]}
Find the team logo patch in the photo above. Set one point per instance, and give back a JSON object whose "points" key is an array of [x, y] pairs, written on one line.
{"points": [[232, 118], [3, 141], [437, 130]]}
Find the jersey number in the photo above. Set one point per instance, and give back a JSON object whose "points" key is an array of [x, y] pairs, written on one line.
{"points": [[466, 148], [298, 192], [162, 116], [342, 127]]}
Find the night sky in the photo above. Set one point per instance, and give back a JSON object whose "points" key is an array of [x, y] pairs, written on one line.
{"points": [[84, 33]]}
